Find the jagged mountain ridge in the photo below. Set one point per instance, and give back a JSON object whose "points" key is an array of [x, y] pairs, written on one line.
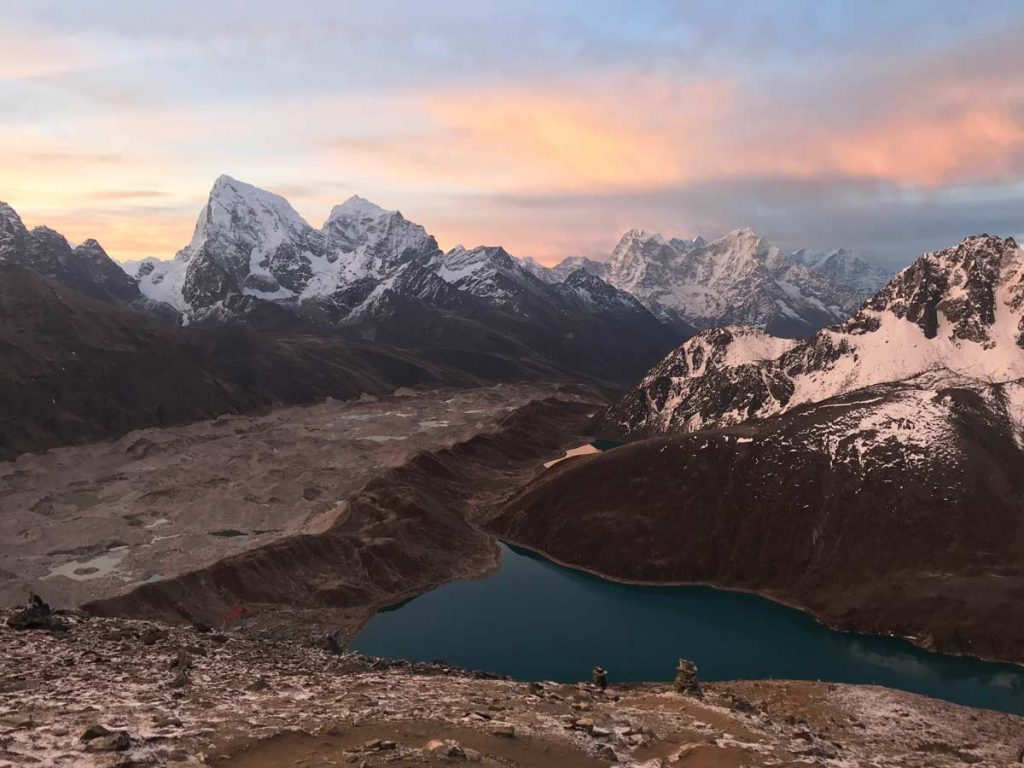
{"points": [[251, 242], [85, 268], [368, 274], [372, 274], [957, 310], [737, 279]]}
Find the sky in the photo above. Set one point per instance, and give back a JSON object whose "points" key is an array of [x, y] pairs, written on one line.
{"points": [[547, 127]]}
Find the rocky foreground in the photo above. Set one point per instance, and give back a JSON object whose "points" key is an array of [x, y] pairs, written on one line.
{"points": [[110, 692]]}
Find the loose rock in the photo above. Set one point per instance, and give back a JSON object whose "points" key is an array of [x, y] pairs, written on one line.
{"points": [[36, 615], [115, 742]]}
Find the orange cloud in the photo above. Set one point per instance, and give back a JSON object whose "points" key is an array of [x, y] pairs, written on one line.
{"points": [[584, 139], [648, 136], [977, 144], [568, 138], [126, 234]]}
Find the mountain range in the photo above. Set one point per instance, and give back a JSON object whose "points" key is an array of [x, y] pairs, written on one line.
{"points": [[369, 274], [739, 278], [952, 314], [869, 473]]}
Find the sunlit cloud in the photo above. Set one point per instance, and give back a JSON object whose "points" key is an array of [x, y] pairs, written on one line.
{"points": [[118, 117]]}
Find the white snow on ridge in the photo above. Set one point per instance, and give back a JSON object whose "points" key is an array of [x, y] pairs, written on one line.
{"points": [[269, 219], [165, 282], [738, 278], [970, 298]]}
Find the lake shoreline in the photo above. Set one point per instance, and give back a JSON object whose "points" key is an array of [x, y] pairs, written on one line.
{"points": [[917, 643], [578, 619]]}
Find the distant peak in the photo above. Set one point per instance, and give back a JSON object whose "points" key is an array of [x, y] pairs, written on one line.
{"points": [[360, 207], [640, 234], [743, 233], [225, 182], [227, 188], [581, 277], [988, 242], [484, 253]]}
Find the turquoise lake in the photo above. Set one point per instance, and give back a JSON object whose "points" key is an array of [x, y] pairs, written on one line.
{"points": [[535, 620]]}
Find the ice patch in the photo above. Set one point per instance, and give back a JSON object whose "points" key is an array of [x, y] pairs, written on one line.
{"points": [[86, 570]]}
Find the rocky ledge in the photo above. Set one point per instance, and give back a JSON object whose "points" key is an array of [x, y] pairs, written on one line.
{"points": [[110, 692]]}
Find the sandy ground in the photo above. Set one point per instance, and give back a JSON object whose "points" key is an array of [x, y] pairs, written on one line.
{"points": [[94, 521], [237, 700]]}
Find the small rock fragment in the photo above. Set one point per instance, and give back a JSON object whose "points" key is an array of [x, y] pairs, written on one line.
{"points": [[153, 635], [94, 732], [114, 742]]}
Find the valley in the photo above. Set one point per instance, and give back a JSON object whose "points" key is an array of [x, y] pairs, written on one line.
{"points": [[93, 522]]}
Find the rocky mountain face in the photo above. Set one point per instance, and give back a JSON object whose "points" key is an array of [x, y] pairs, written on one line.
{"points": [[85, 268], [960, 311], [871, 473], [369, 273], [737, 279]]}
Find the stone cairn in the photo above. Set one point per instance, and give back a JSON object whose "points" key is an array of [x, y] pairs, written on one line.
{"points": [[686, 679], [599, 677]]}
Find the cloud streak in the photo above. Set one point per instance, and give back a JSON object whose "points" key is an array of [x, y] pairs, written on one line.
{"points": [[117, 116]]}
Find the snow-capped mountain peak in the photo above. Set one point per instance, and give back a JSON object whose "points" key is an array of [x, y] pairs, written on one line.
{"points": [[259, 218], [9, 218], [86, 268], [970, 292], [251, 242], [739, 278], [485, 271], [384, 235], [357, 207], [956, 313]]}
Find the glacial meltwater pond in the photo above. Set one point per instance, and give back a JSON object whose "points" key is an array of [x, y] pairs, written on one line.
{"points": [[536, 620]]}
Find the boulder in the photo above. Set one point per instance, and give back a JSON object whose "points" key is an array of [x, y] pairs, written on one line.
{"points": [[36, 615], [114, 742], [744, 707], [153, 635], [94, 732], [448, 749]]}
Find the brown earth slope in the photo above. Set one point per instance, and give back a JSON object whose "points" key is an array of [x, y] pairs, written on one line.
{"points": [[913, 527]]}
